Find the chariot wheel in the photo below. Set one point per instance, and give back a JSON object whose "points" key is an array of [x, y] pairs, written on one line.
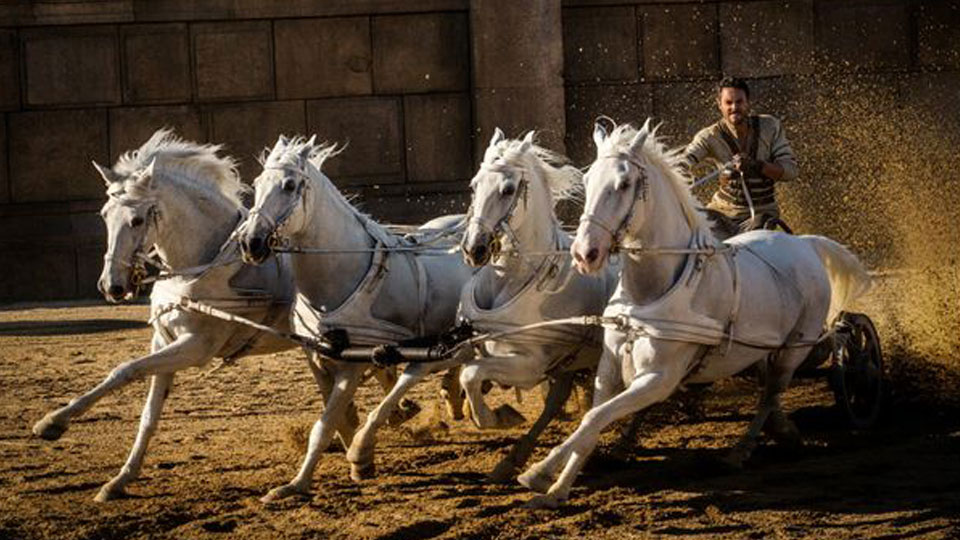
{"points": [[856, 376]]}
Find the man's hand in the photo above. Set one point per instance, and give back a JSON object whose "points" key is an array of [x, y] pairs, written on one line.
{"points": [[749, 167]]}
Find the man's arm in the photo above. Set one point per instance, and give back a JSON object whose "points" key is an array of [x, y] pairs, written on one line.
{"points": [[696, 150], [782, 166]]}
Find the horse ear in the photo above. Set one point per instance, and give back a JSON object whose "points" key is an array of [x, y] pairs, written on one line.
{"points": [[307, 148], [497, 136], [108, 175], [599, 134], [146, 178], [641, 137], [283, 140], [527, 142]]}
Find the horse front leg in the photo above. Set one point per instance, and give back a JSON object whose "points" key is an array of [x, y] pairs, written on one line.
{"points": [[360, 454], [659, 367], [506, 470], [149, 418], [452, 393], [188, 350], [346, 379], [473, 377], [406, 409], [324, 379]]}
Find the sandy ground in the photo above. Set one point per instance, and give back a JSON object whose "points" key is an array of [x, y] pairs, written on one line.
{"points": [[228, 437]]}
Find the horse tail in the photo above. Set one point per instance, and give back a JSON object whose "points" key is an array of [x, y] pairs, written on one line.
{"points": [[848, 278]]}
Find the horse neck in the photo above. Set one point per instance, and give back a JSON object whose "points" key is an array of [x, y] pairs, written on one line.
{"points": [[647, 277], [331, 224], [194, 223]]}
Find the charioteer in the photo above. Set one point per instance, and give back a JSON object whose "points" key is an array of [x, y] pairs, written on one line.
{"points": [[757, 155]]}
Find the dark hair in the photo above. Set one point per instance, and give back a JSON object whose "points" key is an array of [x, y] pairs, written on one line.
{"points": [[733, 82]]}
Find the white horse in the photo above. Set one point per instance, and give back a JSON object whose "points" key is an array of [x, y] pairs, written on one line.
{"points": [[182, 200], [526, 277], [690, 307], [366, 284]]}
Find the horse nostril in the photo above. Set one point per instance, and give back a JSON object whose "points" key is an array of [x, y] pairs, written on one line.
{"points": [[592, 255], [479, 252], [254, 245], [116, 291]]}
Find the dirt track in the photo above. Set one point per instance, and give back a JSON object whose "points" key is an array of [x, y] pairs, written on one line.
{"points": [[226, 438]]}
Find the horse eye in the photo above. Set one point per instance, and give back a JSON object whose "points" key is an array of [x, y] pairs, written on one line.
{"points": [[508, 190], [289, 185], [136, 221]]}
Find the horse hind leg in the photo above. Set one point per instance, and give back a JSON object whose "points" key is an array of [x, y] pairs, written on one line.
{"points": [[407, 408], [149, 419], [776, 372]]}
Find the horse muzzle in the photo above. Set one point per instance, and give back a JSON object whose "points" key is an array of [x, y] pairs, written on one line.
{"points": [[479, 248], [589, 255], [254, 249], [112, 292]]}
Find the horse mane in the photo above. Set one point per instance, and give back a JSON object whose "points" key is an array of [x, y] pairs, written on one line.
{"points": [[288, 154], [563, 179], [185, 161], [668, 162]]}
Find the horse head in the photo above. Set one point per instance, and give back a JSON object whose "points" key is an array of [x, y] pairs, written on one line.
{"points": [[615, 182], [130, 215]]}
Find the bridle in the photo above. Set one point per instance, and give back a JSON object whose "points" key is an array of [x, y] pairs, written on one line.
{"points": [[501, 228], [140, 258], [277, 240], [639, 188]]}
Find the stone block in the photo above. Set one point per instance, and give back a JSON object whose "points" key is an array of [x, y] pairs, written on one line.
{"points": [[233, 60], [156, 63], [131, 127], [627, 103], [515, 43], [9, 71], [759, 39], [414, 208], [59, 12], [438, 131], [372, 129], [684, 108], [857, 36], [426, 52], [192, 10], [323, 57], [679, 41], [89, 266], [516, 111], [600, 44], [246, 129], [50, 153], [938, 33], [71, 66], [37, 273], [4, 179]]}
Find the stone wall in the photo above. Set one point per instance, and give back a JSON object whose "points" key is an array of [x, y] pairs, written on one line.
{"points": [[416, 87], [410, 85]]}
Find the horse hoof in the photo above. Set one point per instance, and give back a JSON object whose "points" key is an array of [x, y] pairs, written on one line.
{"points": [[109, 492], [283, 492], [543, 502], [535, 481], [359, 473], [405, 411], [49, 429], [508, 417], [504, 473]]}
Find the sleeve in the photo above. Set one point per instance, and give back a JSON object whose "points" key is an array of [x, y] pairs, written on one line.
{"points": [[698, 149], [782, 154]]}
